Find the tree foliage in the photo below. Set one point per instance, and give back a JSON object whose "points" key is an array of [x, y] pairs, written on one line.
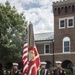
{"points": [[12, 29]]}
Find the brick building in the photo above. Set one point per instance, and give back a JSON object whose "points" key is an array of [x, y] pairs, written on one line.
{"points": [[62, 46], [64, 32], [45, 47]]}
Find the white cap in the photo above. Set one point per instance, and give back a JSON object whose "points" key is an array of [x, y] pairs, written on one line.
{"points": [[15, 64], [43, 63], [58, 62]]}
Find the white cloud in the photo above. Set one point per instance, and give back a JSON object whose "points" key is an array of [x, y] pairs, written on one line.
{"points": [[2, 1], [26, 1], [56, 0], [41, 17]]}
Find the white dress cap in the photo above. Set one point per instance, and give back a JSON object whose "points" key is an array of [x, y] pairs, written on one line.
{"points": [[43, 63], [58, 62], [15, 64]]}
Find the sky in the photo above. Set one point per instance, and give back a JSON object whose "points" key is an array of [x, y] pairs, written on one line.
{"points": [[39, 12]]}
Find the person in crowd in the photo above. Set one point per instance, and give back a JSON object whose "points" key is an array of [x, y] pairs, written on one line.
{"points": [[42, 70], [15, 70], [1, 71], [58, 70]]}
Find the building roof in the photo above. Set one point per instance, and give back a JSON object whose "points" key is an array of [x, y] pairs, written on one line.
{"points": [[63, 2], [44, 36]]}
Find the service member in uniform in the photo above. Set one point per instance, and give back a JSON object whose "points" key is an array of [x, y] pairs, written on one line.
{"points": [[15, 70], [58, 70], [42, 70]]}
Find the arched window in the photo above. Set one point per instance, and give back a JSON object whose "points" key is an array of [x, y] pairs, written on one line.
{"points": [[66, 44], [72, 8], [62, 8], [58, 11], [66, 9], [69, 7], [55, 9]]}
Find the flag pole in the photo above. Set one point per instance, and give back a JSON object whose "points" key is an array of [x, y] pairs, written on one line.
{"points": [[30, 36], [33, 56], [30, 39], [31, 59]]}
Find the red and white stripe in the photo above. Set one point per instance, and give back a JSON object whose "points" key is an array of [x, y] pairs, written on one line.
{"points": [[25, 59]]}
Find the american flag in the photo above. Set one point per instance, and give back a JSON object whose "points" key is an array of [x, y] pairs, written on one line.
{"points": [[25, 54]]}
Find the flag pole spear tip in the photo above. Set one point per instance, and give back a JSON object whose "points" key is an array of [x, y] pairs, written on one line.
{"points": [[30, 23]]}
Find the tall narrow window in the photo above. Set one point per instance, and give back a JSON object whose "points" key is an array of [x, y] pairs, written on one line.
{"points": [[46, 48], [61, 23], [72, 8], [58, 11], [65, 9], [69, 7], [55, 11], [66, 44], [70, 22]]}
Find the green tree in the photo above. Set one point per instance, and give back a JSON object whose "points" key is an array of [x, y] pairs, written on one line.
{"points": [[12, 29]]}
